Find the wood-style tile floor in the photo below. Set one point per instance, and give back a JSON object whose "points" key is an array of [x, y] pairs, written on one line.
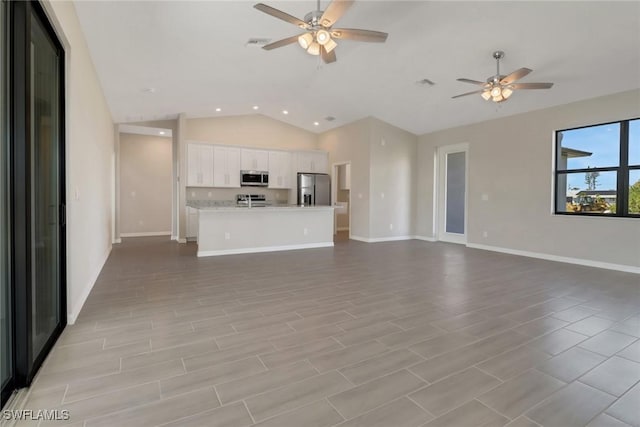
{"points": [[398, 334]]}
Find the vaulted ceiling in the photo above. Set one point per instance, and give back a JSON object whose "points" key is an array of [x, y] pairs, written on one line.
{"points": [[194, 56]]}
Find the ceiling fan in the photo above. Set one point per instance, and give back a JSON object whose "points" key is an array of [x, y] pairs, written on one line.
{"points": [[499, 87], [319, 35]]}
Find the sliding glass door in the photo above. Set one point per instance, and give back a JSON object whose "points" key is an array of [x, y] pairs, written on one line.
{"points": [[32, 217], [45, 178], [6, 348]]}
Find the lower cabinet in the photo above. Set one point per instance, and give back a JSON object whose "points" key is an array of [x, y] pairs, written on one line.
{"points": [[192, 223]]}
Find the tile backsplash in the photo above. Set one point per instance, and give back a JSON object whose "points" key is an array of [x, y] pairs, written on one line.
{"points": [[229, 194]]}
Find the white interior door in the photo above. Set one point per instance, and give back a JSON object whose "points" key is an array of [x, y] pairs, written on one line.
{"points": [[452, 193]]}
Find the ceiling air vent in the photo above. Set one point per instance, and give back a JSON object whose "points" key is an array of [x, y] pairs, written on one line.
{"points": [[255, 42], [329, 118], [425, 82]]}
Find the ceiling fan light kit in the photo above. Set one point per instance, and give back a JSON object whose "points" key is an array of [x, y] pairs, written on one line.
{"points": [[499, 88], [319, 40], [319, 36], [305, 40]]}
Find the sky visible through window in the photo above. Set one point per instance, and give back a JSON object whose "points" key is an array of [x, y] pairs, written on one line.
{"points": [[603, 144]]}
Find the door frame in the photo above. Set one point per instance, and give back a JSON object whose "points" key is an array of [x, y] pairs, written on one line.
{"points": [[440, 193], [334, 195]]}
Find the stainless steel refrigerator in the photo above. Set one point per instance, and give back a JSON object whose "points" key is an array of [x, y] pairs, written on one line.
{"points": [[314, 189]]}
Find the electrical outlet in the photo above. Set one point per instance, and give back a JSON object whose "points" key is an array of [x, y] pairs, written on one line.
{"points": [[382, 195], [133, 194], [383, 142], [485, 197], [306, 231], [485, 234], [193, 194], [76, 194], [209, 194], [227, 236], [390, 226], [359, 195]]}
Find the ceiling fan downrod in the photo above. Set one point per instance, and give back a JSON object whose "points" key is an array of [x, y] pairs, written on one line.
{"points": [[498, 55]]}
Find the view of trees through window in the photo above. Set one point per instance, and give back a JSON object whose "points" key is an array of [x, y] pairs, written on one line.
{"points": [[598, 170]]}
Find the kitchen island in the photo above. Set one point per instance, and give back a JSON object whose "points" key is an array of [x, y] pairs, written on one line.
{"points": [[226, 230]]}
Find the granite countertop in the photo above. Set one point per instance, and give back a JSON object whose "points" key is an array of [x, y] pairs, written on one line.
{"points": [[261, 208], [230, 205]]}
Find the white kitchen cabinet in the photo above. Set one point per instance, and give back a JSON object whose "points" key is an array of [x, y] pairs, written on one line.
{"points": [[312, 161], [254, 160], [226, 167], [279, 169], [192, 223], [199, 165], [345, 177]]}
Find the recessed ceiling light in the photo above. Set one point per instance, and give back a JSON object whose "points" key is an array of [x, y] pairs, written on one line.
{"points": [[162, 132], [255, 107], [316, 123], [218, 109], [149, 89], [285, 112]]}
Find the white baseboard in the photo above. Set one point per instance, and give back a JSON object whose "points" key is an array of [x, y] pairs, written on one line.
{"points": [[265, 249], [380, 239], [75, 310], [146, 234], [557, 258], [174, 238], [182, 240], [118, 240], [342, 229], [425, 238]]}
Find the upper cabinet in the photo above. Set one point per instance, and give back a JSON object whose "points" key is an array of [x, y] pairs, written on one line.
{"points": [[226, 167], [312, 161], [279, 169], [254, 160], [211, 165], [199, 165]]}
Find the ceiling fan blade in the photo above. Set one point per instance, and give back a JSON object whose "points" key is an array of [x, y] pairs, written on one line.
{"points": [[473, 82], [328, 57], [359, 35], [280, 15], [516, 75], [334, 11], [468, 93], [281, 43], [531, 85]]}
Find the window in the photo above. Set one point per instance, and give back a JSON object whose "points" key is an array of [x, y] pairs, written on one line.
{"points": [[598, 170]]}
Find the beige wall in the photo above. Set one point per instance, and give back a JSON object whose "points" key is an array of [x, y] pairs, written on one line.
{"points": [[251, 131], [510, 160], [350, 143], [383, 170], [173, 125], [393, 177], [145, 184], [90, 161]]}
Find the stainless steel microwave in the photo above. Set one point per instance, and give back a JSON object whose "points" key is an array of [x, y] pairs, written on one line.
{"points": [[254, 179]]}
